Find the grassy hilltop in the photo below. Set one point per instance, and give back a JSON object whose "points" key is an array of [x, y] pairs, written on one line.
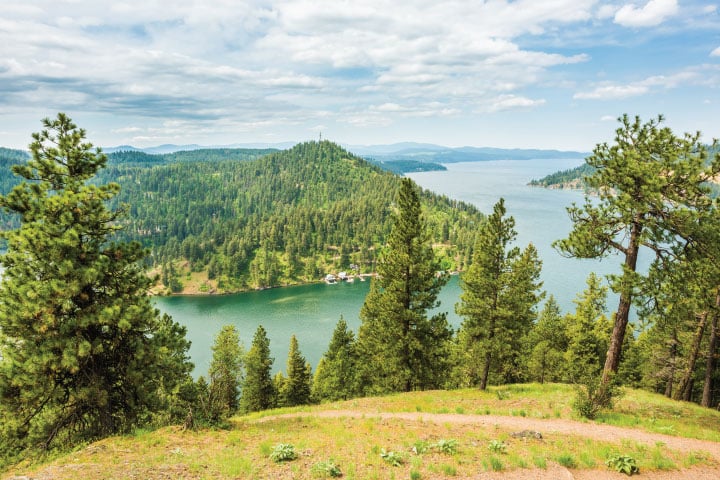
{"points": [[434, 434]]}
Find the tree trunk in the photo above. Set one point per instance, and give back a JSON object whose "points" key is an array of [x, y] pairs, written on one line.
{"points": [[711, 362], [612, 360], [485, 372], [684, 388], [671, 377]]}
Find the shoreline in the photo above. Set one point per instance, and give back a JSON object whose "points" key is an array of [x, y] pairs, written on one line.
{"points": [[250, 290]]}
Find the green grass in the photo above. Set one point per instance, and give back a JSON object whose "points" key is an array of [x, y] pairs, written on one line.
{"points": [[355, 444]]}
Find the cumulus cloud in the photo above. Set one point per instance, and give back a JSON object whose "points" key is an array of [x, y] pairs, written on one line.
{"points": [[715, 53], [239, 65], [508, 102], [705, 75], [651, 14]]}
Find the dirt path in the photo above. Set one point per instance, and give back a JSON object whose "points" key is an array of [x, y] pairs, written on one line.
{"points": [[554, 426]]}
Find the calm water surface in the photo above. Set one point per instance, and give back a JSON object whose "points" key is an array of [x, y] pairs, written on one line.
{"points": [[312, 311]]}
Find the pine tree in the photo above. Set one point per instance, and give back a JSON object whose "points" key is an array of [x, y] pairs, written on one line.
{"points": [[335, 374], [547, 342], [84, 352], [650, 185], [588, 331], [500, 294], [258, 392], [401, 348], [226, 372], [296, 388]]}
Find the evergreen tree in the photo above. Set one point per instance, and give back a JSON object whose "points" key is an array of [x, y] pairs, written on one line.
{"points": [[650, 185], [226, 372], [588, 331], [335, 374], [547, 343], [296, 389], [400, 347], [258, 392], [500, 294], [84, 352]]}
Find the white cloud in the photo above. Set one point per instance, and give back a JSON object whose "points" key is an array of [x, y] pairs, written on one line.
{"points": [[508, 102], [231, 66], [612, 92], [651, 14], [715, 53], [706, 75], [608, 118], [606, 11]]}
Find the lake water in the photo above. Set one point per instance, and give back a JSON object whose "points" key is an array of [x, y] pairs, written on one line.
{"points": [[312, 311]]}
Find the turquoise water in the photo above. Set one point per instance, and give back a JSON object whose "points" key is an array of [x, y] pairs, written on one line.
{"points": [[311, 311]]}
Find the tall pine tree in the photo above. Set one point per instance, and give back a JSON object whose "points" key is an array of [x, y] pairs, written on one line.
{"points": [[501, 289], [401, 347], [335, 377], [84, 352], [258, 392], [547, 342], [226, 373], [650, 185], [296, 387]]}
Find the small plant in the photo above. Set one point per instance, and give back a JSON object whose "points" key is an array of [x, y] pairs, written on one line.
{"points": [[448, 447], [393, 458], [448, 470], [326, 469], [496, 464], [623, 464], [502, 394], [415, 475], [420, 447], [283, 452], [567, 460], [497, 446]]}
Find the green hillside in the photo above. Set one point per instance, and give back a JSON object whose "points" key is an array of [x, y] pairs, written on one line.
{"points": [[220, 220], [287, 217]]}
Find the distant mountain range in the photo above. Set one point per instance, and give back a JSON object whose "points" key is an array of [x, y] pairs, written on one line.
{"points": [[417, 152]]}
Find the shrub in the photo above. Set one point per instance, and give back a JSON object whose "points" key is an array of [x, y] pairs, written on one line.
{"points": [[497, 446], [283, 452], [591, 397], [326, 469], [448, 447], [393, 458], [623, 464]]}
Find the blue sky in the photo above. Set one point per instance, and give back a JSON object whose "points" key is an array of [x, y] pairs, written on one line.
{"points": [[524, 73]]}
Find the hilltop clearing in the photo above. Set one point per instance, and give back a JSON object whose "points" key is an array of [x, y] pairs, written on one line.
{"points": [[432, 435]]}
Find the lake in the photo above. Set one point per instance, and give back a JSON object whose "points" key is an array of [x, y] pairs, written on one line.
{"points": [[312, 311]]}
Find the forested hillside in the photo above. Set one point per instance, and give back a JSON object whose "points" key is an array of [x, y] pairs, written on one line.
{"points": [[242, 219], [570, 178], [288, 217]]}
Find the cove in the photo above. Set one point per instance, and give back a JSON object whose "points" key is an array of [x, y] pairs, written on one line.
{"points": [[312, 311]]}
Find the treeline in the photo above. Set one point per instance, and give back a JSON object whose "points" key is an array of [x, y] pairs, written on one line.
{"points": [[572, 176]]}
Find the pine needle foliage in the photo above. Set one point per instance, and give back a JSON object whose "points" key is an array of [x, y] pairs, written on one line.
{"points": [[84, 354]]}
